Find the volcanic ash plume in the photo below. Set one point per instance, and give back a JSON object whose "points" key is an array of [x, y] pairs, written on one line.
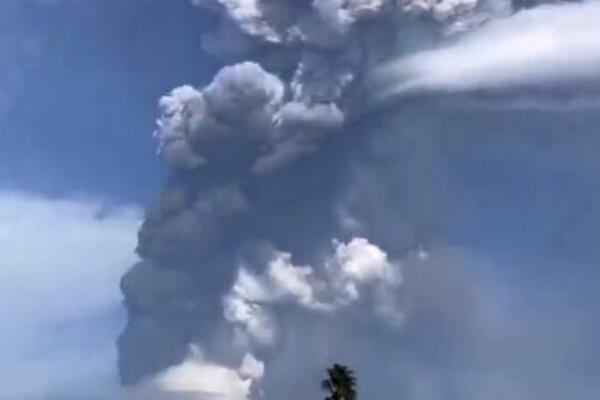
{"points": [[295, 224]]}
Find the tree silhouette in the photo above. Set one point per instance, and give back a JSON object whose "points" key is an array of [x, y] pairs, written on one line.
{"points": [[340, 383]]}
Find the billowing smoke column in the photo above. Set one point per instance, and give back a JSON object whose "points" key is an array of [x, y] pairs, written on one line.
{"points": [[290, 208]]}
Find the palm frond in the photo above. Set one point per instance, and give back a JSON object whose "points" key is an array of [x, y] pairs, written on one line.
{"points": [[341, 383]]}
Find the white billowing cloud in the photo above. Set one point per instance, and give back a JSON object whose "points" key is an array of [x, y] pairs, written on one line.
{"points": [[542, 47], [360, 261], [249, 15], [358, 264], [440, 10], [199, 378], [183, 113], [59, 299], [251, 367], [353, 270], [292, 281], [252, 318]]}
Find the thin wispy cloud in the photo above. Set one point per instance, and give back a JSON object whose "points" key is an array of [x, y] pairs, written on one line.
{"points": [[544, 47]]}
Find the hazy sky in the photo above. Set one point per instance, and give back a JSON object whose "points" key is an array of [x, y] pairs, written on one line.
{"points": [[79, 83]]}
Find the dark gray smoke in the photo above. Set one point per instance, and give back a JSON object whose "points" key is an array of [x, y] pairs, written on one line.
{"points": [[305, 221]]}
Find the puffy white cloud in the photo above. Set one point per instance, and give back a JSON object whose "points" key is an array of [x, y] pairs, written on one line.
{"points": [[362, 261], [543, 47], [183, 116], [59, 300], [199, 378], [198, 375], [252, 318], [440, 10], [355, 268], [292, 281]]}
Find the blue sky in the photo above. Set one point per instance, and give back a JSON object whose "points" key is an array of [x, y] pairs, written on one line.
{"points": [[85, 77]]}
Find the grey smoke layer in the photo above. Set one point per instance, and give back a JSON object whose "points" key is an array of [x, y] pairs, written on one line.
{"points": [[297, 228]]}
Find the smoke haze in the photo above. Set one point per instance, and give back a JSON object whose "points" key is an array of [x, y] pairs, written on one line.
{"points": [[440, 242]]}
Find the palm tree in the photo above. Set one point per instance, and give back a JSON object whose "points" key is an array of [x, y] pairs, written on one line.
{"points": [[340, 383]]}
